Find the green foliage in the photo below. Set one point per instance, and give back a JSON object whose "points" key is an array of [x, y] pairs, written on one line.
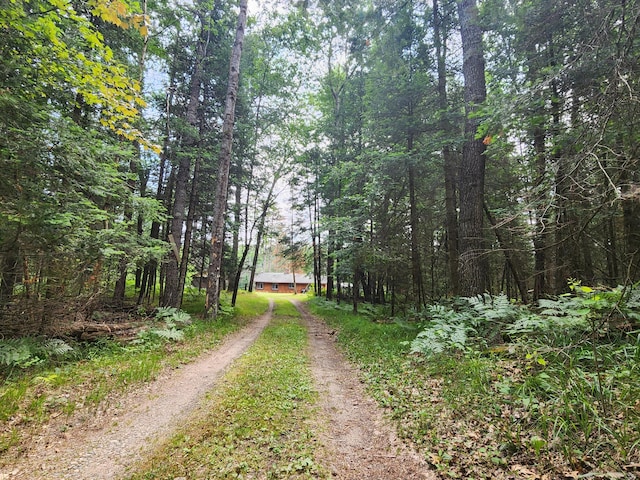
{"points": [[26, 352], [171, 316], [469, 323], [174, 320], [477, 321], [153, 335], [446, 330], [71, 58]]}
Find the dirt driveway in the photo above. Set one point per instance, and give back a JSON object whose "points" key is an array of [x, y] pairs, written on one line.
{"points": [[357, 442], [102, 448]]}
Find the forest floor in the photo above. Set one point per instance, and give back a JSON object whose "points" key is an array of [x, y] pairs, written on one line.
{"points": [[354, 439]]}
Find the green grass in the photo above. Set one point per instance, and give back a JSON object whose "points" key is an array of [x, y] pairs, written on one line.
{"points": [[475, 414], [256, 424], [95, 372], [250, 304]]}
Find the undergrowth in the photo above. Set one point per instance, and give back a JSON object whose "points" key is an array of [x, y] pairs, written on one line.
{"points": [[490, 389], [255, 425], [43, 377]]}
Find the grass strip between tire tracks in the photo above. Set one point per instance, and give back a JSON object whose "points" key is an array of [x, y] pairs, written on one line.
{"points": [[257, 424]]}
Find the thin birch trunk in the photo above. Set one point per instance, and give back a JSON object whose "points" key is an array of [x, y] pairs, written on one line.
{"points": [[217, 232]]}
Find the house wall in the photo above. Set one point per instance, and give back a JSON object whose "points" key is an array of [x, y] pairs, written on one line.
{"points": [[282, 287]]}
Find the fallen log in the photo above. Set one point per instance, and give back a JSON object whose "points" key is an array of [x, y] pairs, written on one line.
{"points": [[90, 332]]}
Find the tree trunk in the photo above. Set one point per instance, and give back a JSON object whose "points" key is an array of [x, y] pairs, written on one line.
{"points": [[235, 245], [256, 253], [565, 254], [150, 270], [188, 233], [448, 157], [9, 262], [355, 290], [217, 231], [134, 166], [123, 267], [416, 270], [236, 280], [541, 217], [612, 258], [315, 239], [473, 264], [631, 215], [262, 219], [172, 294], [330, 266]]}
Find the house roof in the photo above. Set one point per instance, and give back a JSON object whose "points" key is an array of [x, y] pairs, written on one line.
{"points": [[270, 277]]}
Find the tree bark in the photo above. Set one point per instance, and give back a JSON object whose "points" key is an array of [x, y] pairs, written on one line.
{"points": [[541, 217], [236, 269], [9, 262], [188, 233], [631, 216], [416, 270], [172, 294], [238, 274], [261, 226], [256, 253], [330, 266], [150, 269], [217, 231], [315, 247], [473, 265], [448, 157]]}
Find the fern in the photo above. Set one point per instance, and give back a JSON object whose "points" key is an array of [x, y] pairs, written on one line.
{"points": [[475, 319], [495, 309], [14, 352], [172, 316], [633, 299], [56, 347], [440, 337], [25, 352], [154, 336], [164, 312], [225, 310], [182, 317], [171, 334], [444, 330], [526, 324]]}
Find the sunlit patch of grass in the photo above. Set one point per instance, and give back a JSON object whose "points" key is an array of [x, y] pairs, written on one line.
{"points": [[257, 423], [11, 396], [250, 304]]}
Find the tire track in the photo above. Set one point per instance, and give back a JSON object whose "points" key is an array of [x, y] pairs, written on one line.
{"points": [[359, 442], [143, 417]]}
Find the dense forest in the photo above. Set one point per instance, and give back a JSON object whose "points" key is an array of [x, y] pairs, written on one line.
{"points": [[424, 149], [460, 178]]}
